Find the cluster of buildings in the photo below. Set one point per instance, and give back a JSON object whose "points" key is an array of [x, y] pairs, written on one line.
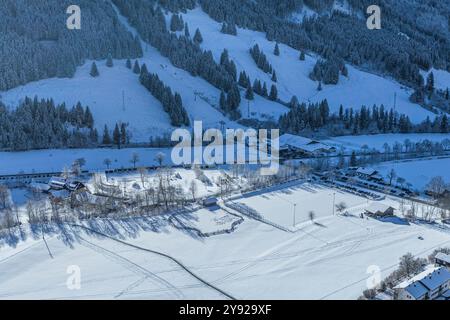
{"points": [[431, 284], [292, 146]]}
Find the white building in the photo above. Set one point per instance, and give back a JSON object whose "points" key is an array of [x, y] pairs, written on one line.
{"points": [[292, 144], [432, 284]]}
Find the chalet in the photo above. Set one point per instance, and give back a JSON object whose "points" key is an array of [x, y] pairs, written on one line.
{"points": [[432, 284], [378, 209], [57, 183], [369, 174], [292, 145], [442, 260]]}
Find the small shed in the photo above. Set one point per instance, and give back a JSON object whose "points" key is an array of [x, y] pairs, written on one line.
{"points": [[210, 202], [379, 209], [442, 259]]}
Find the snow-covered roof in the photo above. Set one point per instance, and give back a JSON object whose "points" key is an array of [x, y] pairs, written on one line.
{"points": [[366, 171], [416, 290], [293, 140], [302, 143], [443, 257], [426, 281], [375, 207], [417, 277], [435, 279]]}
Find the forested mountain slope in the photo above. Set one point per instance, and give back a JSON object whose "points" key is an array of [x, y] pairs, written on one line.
{"points": [[229, 63], [37, 45]]}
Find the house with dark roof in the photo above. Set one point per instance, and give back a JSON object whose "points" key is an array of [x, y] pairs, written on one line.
{"points": [[378, 209], [442, 260]]}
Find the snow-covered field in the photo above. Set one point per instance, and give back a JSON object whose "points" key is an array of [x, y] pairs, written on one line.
{"points": [[208, 221], [39, 161], [256, 261], [278, 206], [377, 141], [418, 172]]}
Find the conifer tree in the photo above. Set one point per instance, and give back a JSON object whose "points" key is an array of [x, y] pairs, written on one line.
{"points": [[128, 64], [198, 39], [430, 82], [223, 101], [249, 93], [187, 33], [276, 50], [264, 92], [136, 68], [94, 71], [106, 137], [302, 56], [109, 61], [273, 93], [116, 136], [123, 134]]}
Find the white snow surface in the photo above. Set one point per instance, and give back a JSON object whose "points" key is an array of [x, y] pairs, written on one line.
{"points": [[377, 141], [257, 261], [418, 172]]}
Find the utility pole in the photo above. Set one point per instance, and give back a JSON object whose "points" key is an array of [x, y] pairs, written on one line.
{"points": [[334, 200]]}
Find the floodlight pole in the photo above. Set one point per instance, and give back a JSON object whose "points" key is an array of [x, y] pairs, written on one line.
{"points": [[295, 206]]}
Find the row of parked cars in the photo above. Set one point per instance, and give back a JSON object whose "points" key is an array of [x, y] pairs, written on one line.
{"points": [[348, 188]]}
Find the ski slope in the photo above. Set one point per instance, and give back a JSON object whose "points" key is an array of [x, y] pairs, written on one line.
{"points": [[360, 88], [115, 96]]}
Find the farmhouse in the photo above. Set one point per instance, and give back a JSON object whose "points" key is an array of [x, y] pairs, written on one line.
{"points": [[442, 260], [292, 145], [379, 209], [432, 284]]}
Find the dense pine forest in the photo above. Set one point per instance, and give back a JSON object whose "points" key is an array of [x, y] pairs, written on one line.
{"points": [[41, 124], [39, 46]]}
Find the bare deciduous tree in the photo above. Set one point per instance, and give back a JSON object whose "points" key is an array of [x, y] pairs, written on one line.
{"points": [[193, 190]]}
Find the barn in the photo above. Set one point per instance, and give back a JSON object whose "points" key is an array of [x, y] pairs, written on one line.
{"points": [[379, 209]]}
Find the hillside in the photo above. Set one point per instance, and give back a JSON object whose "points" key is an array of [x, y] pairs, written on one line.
{"points": [[117, 96]]}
